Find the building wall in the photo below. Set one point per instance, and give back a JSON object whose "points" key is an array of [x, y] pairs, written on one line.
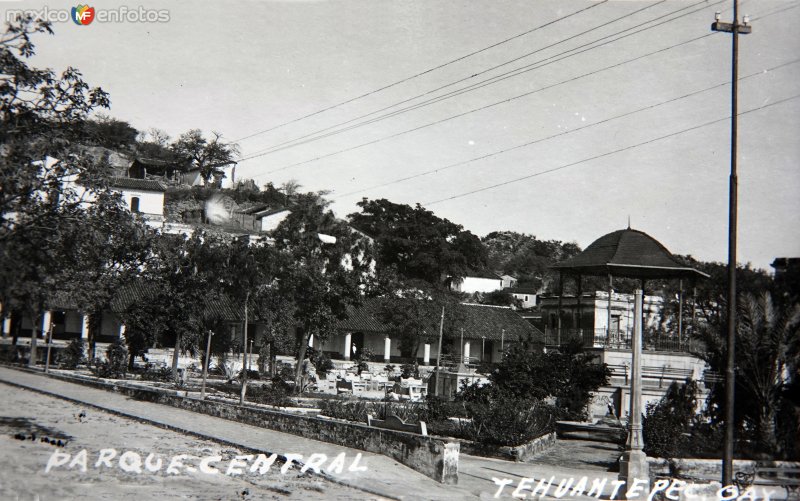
{"points": [[528, 300], [475, 284], [150, 202], [269, 223]]}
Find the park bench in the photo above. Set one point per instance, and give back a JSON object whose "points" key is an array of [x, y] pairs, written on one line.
{"points": [[668, 374], [765, 474]]}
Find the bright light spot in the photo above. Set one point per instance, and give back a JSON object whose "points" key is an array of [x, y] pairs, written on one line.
{"points": [[583, 119], [471, 142]]}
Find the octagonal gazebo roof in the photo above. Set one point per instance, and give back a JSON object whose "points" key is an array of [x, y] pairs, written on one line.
{"points": [[627, 253]]}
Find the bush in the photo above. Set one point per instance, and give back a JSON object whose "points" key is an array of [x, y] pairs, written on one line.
{"points": [[506, 421], [409, 370], [115, 364], [667, 424], [73, 355], [276, 393], [322, 363]]}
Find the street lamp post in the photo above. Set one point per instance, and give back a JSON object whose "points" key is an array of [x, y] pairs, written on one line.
{"points": [[734, 28]]}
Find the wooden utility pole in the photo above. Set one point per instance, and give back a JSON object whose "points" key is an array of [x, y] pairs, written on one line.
{"points": [[439, 354], [734, 28], [205, 366]]}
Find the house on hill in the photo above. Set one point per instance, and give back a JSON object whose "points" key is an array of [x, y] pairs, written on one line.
{"points": [[478, 281]]}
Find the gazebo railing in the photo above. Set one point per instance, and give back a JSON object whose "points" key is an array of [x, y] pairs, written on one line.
{"points": [[620, 340]]}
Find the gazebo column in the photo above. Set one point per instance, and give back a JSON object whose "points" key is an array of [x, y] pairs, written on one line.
{"points": [[633, 465], [610, 291], [680, 312], [560, 303], [580, 311]]}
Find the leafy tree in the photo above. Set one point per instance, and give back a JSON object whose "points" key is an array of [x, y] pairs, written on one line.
{"points": [[40, 113], [418, 244], [526, 257], [325, 276], [667, 424], [412, 314], [499, 298], [111, 133], [569, 376], [207, 155]]}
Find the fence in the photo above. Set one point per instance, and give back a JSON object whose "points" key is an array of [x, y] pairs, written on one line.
{"points": [[621, 339]]}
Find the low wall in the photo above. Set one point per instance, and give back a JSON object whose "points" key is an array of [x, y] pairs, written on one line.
{"points": [[703, 469], [520, 453], [433, 457]]}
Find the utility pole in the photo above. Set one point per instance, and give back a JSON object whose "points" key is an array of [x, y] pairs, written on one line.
{"points": [[734, 28]]}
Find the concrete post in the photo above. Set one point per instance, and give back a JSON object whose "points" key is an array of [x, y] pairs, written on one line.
{"points": [[466, 352], [633, 465], [347, 345], [85, 327], [6, 327], [311, 341], [47, 320], [387, 349], [426, 357]]}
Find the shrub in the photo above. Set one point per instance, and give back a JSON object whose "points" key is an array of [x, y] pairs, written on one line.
{"points": [[276, 393], [507, 421], [667, 424], [115, 364], [409, 370], [322, 363], [73, 355]]}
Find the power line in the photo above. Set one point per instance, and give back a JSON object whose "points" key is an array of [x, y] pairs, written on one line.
{"points": [[452, 61], [453, 117], [276, 147], [620, 150], [500, 102], [536, 141]]}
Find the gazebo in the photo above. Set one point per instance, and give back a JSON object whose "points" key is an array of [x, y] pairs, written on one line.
{"points": [[632, 254], [624, 253]]}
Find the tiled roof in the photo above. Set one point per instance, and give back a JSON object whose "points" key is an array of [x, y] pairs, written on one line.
{"points": [[478, 321], [521, 290], [221, 307], [136, 291], [137, 184], [483, 274], [627, 253]]}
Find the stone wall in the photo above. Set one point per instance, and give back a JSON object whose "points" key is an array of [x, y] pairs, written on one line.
{"points": [[519, 453], [433, 457]]}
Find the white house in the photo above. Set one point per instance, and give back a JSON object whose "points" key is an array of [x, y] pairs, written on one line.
{"points": [[527, 295], [482, 281], [142, 196]]}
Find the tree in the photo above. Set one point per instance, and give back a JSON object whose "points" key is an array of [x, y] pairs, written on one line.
{"points": [[569, 376], [40, 113], [326, 273], [417, 243], [767, 355], [195, 150], [526, 257], [111, 133], [412, 314]]}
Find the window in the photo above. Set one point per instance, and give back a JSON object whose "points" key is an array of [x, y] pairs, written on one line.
{"points": [[526, 299], [134, 204]]}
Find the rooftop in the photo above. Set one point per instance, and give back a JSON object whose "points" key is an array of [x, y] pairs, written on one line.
{"points": [[137, 184]]}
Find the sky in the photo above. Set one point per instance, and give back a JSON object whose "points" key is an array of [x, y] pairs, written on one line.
{"points": [[634, 129]]}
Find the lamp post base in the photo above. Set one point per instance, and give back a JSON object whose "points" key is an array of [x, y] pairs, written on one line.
{"points": [[633, 466]]}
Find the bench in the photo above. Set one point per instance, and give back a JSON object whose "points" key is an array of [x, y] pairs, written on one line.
{"points": [[787, 477], [670, 374]]}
